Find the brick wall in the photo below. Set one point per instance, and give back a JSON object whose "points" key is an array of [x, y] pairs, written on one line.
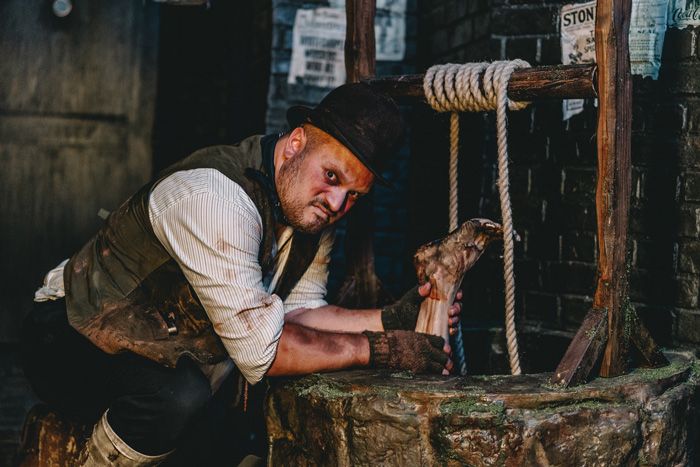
{"points": [[553, 176], [391, 260]]}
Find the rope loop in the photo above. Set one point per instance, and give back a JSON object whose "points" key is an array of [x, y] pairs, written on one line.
{"points": [[471, 87], [478, 87]]}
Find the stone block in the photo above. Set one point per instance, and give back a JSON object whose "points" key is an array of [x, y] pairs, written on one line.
{"points": [[679, 44], [689, 256], [671, 116], [687, 290], [461, 33], [513, 21], [440, 42], [541, 307], [573, 309], [523, 48], [689, 221], [680, 78], [481, 25], [569, 277], [578, 245], [396, 418], [687, 326], [550, 51], [579, 186], [691, 186]]}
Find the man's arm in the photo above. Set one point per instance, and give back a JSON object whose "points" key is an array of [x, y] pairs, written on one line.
{"points": [[303, 350], [336, 319]]}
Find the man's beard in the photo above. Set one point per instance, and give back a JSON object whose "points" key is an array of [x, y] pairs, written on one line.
{"points": [[292, 207]]}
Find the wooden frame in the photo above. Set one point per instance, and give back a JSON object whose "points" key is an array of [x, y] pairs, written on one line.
{"points": [[611, 325]]}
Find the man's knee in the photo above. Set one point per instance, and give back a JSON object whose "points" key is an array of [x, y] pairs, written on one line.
{"points": [[187, 393]]}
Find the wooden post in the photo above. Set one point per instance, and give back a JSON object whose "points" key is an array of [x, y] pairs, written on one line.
{"points": [[361, 288], [360, 49], [614, 183]]}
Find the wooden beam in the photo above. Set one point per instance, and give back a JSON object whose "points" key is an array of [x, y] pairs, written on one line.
{"points": [[642, 340], [360, 48], [614, 182], [545, 82], [584, 350], [361, 287]]}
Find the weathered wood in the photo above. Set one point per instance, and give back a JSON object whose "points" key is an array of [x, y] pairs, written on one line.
{"points": [[443, 263], [50, 439], [546, 82], [361, 287], [75, 131], [360, 48], [584, 350], [614, 182], [642, 340]]}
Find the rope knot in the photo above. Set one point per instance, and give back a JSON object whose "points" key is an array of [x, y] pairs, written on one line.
{"points": [[471, 87]]}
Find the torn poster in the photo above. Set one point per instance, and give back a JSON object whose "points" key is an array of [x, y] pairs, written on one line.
{"points": [[683, 13], [389, 28], [318, 41], [646, 38], [577, 44]]}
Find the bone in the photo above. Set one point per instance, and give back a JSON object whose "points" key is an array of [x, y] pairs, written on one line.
{"points": [[444, 262]]}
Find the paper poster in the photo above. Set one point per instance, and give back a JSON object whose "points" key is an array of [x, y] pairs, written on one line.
{"points": [[683, 13], [318, 41], [577, 44], [646, 39]]}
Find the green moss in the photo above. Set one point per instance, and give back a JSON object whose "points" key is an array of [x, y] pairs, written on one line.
{"points": [[661, 372], [470, 405], [318, 386]]}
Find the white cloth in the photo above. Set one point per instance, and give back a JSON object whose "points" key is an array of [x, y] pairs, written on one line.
{"points": [[212, 229]]}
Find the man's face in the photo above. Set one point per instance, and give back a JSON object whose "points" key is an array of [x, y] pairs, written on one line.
{"points": [[319, 180]]}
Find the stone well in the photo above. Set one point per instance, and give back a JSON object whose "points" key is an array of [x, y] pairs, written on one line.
{"points": [[648, 417]]}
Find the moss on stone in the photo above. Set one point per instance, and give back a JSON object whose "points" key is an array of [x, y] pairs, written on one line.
{"points": [[318, 386], [469, 405]]}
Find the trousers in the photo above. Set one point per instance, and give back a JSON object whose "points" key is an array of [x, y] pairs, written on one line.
{"points": [[150, 407]]}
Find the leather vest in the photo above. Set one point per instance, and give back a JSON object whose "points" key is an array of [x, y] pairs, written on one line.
{"points": [[124, 292]]}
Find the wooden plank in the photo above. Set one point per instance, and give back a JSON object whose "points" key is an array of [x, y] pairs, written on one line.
{"points": [[584, 350], [76, 112], [361, 288], [642, 340], [545, 82], [614, 174], [360, 48]]}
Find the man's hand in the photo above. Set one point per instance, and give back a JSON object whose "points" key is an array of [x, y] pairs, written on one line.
{"points": [[404, 313], [408, 350]]}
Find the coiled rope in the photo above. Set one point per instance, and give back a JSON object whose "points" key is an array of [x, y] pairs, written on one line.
{"points": [[478, 87]]}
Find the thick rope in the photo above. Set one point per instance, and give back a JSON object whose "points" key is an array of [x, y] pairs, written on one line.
{"points": [[478, 87]]}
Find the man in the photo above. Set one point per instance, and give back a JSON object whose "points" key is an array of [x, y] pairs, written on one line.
{"points": [[220, 265]]}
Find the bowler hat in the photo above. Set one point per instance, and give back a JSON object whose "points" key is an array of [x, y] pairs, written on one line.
{"points": [[365, 121]]}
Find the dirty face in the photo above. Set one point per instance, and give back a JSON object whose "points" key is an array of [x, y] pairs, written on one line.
{"points": [[318, 179]]}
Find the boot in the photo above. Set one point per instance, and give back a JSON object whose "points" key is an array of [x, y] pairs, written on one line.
{"points": [[105, 448]]}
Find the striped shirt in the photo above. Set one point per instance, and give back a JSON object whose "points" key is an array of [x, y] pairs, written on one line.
{"points": [[212, 229]]}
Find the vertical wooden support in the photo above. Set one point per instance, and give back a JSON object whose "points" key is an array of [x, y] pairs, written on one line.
{"points": [[614, 175], [360, 49], [362, 287]]}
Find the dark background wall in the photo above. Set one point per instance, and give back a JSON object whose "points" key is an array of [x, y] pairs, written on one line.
{"points": [[553, 175]]}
